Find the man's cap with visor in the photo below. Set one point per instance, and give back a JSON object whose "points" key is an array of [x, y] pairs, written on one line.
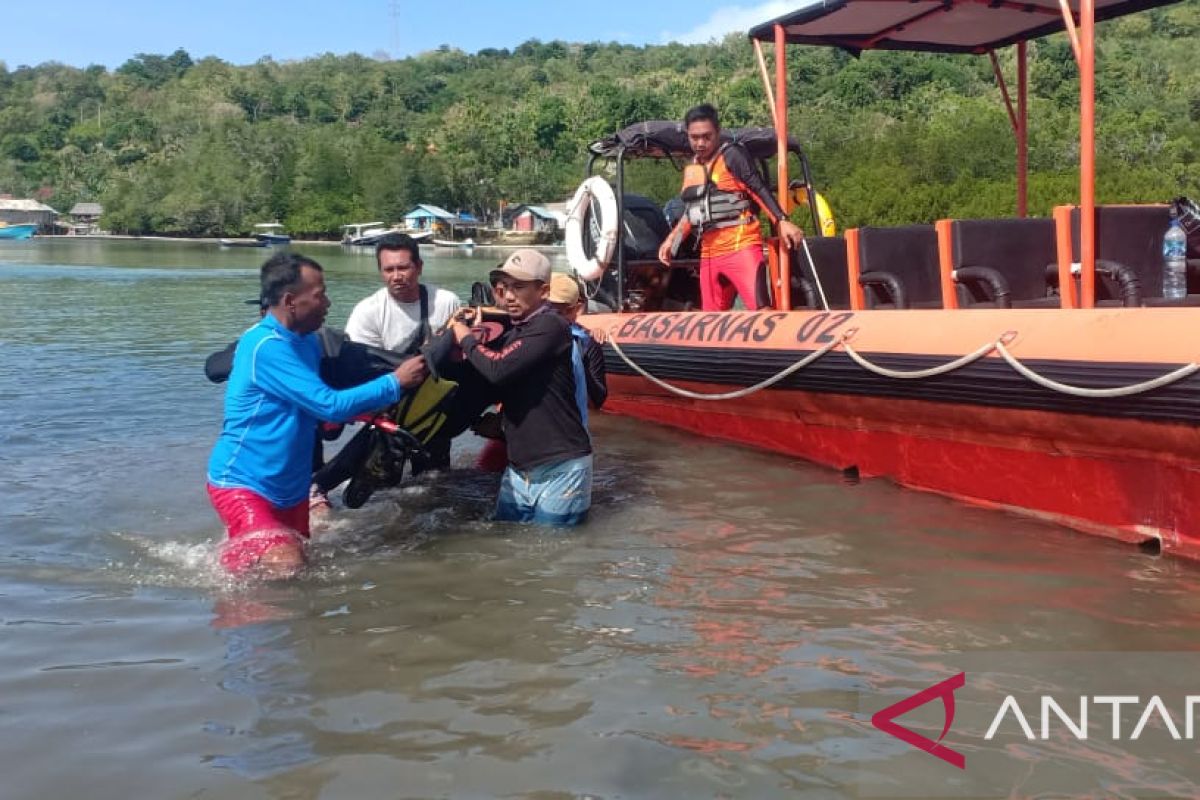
{"points": [[564, 289], [523, 265]]}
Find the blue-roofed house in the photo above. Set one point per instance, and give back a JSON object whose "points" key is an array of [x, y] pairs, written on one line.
{"points": [[440, 222], [424, 216]]}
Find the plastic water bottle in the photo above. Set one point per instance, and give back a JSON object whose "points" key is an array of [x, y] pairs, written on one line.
{"points": [[1174, 261]]}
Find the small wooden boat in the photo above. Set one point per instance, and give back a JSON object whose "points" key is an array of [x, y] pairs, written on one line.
{"points": [[242, 242], [514, 238], [465, 244], [17, 231]]}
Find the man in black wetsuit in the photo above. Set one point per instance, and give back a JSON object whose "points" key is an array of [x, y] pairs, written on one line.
{"points": [[549, 475]]}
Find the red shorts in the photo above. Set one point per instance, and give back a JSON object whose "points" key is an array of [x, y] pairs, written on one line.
{"points": [[739, 271], [254, 525]]}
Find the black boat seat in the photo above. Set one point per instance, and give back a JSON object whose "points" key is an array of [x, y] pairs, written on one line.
{"points": [[830, 262], [1001, 263], [898, 267], [1129, 256]]}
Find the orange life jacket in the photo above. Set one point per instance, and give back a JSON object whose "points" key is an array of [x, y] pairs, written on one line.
{"points": [[737, 234], [707, 204]]}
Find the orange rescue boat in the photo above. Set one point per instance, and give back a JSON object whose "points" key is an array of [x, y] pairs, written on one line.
{"points": [[1030, 365]]}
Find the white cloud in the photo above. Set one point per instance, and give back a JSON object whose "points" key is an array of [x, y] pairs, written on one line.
{"points": [[730, 19]]}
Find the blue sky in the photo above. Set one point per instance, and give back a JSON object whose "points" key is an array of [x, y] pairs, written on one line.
{"points": [[110, 31]]}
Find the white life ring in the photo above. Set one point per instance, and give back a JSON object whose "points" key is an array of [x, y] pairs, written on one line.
{"points": [[595, 191]]}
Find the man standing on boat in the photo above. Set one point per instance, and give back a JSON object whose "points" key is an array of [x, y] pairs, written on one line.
{"points": [[544, 407], [723, 194], [260, 468], [404, 313]]}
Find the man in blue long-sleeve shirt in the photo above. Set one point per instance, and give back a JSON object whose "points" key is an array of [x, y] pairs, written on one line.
{"points": [[261, 466]]}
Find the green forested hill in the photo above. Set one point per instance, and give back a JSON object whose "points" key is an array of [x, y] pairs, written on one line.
{"points": [[173, 145]]}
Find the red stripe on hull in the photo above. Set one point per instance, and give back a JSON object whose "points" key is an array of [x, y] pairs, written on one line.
{"points": [[1125, 479]]}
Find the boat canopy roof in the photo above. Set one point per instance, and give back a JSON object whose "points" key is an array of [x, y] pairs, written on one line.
{"points": [[942, 26], [668, 138]]}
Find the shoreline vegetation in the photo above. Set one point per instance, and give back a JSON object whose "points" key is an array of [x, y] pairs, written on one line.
{"points": [[179, 147], [152, 237]]}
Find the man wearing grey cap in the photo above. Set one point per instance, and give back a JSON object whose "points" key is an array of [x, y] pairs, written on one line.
{"points": [[549, 474]]}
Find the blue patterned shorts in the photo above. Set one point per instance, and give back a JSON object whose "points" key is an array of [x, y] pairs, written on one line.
{"points": [[550, 494]]}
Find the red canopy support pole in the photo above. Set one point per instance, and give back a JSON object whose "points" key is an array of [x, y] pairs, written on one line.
{"points": [[1072, 33], [783, 298], [1087, 153], [1022, 131]]}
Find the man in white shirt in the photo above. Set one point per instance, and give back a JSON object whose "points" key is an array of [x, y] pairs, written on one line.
{"points": [[404, 313], [402, 316]]}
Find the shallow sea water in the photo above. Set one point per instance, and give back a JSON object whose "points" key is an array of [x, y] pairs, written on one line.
{"points": [[723, 626]]}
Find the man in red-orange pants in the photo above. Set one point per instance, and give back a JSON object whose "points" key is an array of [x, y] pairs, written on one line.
{"points": [[723, 194]]}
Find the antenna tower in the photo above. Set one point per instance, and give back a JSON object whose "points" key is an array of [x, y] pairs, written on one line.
{"points": [[394, 11]]}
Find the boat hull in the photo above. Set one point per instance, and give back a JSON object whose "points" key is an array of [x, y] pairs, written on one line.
{"points": [[17, 231], [1126, 467], [366, 240], [448, 243], [371, 238], [273, 238]]}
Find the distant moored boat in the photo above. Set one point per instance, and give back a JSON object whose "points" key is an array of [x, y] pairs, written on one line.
{"points": [[271, 233], [466, 244], [17, 231], [363, 233]]}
